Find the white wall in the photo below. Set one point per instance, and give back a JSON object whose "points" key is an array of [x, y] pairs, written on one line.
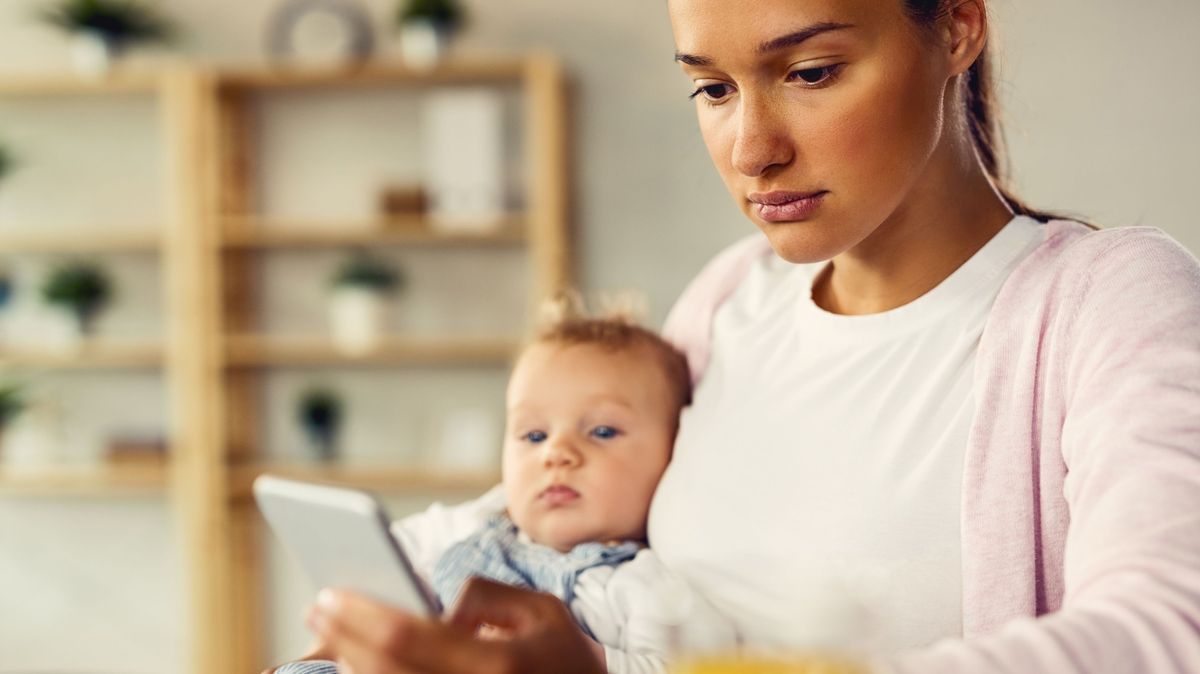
{"points": [[1102, 99]]}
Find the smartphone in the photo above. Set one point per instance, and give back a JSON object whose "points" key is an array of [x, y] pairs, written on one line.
{"points": [[342, 539]]}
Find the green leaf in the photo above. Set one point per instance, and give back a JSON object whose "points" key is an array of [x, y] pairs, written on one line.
{"points": [[361, 270], [121, 22], [79, 286], [444, 13]]}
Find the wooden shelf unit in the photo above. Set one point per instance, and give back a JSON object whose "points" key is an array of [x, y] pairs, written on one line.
{"points": [[256, 351], [228, 567], [87, 480], [37, 85], [492, 71], [257, 233], [383, 479], [80, 243], [213, 361], [90, 356]]}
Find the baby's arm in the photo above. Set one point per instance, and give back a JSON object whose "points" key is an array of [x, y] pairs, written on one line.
{"points": [[639, 609]]}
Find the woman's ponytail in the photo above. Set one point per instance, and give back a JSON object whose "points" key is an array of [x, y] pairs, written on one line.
{"points": [[982, 114]]}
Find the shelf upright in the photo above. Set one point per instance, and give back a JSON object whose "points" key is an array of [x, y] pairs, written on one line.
{"points": [[216, 623], [547, 138]]}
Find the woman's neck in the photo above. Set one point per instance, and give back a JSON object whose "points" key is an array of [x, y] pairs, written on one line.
{"points": [[924, 241]]}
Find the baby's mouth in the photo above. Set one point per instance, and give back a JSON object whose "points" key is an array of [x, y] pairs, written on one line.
{"points": [[558, 494]]}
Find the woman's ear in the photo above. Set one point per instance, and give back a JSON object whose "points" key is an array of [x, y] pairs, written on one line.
{"points": [[965, 29]]}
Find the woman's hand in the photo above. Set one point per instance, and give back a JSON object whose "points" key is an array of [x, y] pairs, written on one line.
{"points": [[542, 637]]}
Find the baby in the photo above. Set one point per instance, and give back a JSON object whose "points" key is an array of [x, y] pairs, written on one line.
{"points": [[592, 409]]}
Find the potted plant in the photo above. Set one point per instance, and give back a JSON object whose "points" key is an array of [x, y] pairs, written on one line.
{"points": [[319, 411], [101, 30], [358, 304], [12, 403], [426, 27], [79, 288], [6, 288], [7, 161]]}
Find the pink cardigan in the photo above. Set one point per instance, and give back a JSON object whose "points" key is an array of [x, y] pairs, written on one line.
{"points": [[1081, 492]]}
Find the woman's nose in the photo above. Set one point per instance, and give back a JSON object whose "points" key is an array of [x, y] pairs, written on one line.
{"points": [[560, 453], [762, 140]]}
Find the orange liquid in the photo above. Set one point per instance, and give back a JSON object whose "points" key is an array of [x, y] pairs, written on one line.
{"points": [[733, 665]]}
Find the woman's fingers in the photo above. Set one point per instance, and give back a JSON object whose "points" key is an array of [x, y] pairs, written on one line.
{"points": [[374, 638], [516, 610], [542, 634]]}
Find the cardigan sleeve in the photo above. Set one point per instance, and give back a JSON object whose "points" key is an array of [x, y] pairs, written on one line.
{"points": [[689, 323], [1130, 358]]}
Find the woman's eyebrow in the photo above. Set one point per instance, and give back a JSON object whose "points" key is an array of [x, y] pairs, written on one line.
{"points": [[783, 42], [798, 37]]}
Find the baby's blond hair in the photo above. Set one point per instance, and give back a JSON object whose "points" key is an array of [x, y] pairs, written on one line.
{"points": [[615, 327]]}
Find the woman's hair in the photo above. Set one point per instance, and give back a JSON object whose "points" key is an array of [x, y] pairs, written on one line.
{"points": [[981, 111], [566, 322]]}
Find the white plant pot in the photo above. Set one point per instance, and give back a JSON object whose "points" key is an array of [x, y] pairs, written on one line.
{"points": [[59, 332], [357, 320], [422, 44], [34, 439], [92, 55]]}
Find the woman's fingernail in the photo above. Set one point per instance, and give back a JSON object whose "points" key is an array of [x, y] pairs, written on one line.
{"points": [[327, 599]]}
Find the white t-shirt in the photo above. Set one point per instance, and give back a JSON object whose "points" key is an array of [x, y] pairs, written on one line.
{"points": [[825, 453]]}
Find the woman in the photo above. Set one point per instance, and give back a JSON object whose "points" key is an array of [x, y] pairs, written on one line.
{"points": [[982, 423]]}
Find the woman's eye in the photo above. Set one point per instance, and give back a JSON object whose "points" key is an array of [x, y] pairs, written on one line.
{"points": [[712, 92], [815, 77], [534, 436], [605, 432]]}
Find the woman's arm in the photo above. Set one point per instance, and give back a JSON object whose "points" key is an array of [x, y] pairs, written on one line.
{"points": [[1131, 444]]}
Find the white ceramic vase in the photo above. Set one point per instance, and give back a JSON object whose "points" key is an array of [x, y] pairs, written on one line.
{"points": [[422, 44], [92, 54], [357, 319]]}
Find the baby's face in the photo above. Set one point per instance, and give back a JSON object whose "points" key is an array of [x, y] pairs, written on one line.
{"points": [[589, 433]]}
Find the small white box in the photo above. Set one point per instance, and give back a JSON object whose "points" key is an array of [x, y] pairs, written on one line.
{"points": [[463, 136]]}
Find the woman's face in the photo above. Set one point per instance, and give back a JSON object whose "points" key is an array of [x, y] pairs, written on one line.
{"points": [[821, 115]]}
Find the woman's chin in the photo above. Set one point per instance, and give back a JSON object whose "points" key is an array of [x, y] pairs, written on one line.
{"points": [[802, 242]]}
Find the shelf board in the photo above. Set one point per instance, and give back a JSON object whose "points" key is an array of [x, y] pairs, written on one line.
{"points": [[259, 351], [89, 480], [371, 74], [96, 241], [91, 356], [251, 233], [67, 84], [380, 478]]}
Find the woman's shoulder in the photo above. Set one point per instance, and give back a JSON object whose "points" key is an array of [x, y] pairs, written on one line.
{"points": [[1082, 282], [1075, 258]]}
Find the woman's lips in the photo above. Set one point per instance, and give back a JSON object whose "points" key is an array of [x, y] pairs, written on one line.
{"points": [[558, 494], [786, 206]]}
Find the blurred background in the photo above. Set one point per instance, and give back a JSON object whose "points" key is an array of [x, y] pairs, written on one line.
{"points": [[230, 243]]}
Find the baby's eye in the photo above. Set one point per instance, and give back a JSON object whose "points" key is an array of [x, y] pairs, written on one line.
{"points": [[534, 436], [605, 432]]}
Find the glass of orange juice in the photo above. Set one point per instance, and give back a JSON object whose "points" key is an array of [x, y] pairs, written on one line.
{"points": [[804, 664]]}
